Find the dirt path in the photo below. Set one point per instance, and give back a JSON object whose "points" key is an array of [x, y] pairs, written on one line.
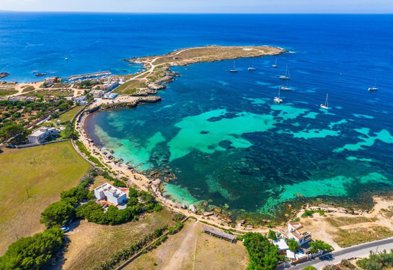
{"points": [[182, 254]]}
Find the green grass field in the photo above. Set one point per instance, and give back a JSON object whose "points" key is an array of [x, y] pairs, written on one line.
{"points": [[7, 91], [67, 116], [30, 180], [130, 87]]}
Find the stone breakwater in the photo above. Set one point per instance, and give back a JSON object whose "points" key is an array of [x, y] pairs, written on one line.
{"points": [[123, 102]]}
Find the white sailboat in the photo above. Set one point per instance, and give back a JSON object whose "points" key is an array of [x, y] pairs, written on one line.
{"points": [[285, 87], [278, 99], [326, 104], [286, 76], [233, 70], [275, 65]]}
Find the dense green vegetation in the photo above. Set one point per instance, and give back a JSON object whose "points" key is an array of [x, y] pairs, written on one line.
{"points": [[377, 261], [319, 245], [262, 253], [310, 213], [272, 235], [309, 268], [58, 214], [86, 84], [293, 245], [11, 130], [33, 252]]}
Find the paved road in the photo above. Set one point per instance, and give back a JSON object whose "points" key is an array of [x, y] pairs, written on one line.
{"points": [[355, 251]]}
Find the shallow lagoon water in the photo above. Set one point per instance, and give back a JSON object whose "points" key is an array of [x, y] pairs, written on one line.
{"points": [[229, 144], [220, 133], [232, 146]]}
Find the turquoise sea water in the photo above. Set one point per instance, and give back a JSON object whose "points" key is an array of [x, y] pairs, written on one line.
{"points": [[220, 133]]}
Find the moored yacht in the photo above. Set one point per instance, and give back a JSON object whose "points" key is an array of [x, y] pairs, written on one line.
{"points": [[286, 76], [285, 87], [278, 99], [233, 70], [325, 105], [275, 65]]}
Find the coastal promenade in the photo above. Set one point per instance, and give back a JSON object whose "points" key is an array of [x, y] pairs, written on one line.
{"points": [[359, 251]]}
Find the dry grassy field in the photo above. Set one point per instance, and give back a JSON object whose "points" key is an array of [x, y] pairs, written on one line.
{"points": [[91, 244], [214, 53], [193, 249], [343, 229], [30, 180]]}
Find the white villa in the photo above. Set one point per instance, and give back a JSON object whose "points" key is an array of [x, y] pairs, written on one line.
{"points": [[293, 233], [302, 238], [41, 134], [110, 194]]}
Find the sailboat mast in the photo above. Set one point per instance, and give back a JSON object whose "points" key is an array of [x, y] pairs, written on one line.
{"points": [[326, 102]]}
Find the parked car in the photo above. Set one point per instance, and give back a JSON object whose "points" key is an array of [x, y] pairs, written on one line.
{"points": [[65, 229]]}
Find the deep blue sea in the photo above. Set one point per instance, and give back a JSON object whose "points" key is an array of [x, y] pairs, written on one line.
{"points": [[220, 133]]}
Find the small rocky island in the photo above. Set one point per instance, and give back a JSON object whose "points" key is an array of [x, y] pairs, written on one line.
{"points": [[4, 74], [157, 73]]}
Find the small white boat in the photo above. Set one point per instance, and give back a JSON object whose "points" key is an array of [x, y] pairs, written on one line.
{"points": [[275, 65], [285, 88], [373, 89], [286, 76], [251, 68], [233, 70], [278, 99], [325, 106]]}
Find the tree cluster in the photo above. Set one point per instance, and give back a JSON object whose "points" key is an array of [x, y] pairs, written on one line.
{"points": [[377, 261], [16, 115], [64, 211], [138, 203], [319, 245], [34, 252], [262, 253], [293, 245]]}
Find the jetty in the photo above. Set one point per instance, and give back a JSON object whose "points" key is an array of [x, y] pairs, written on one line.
{"points": [[88, 76]]}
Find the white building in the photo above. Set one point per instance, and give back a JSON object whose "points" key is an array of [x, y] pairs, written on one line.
{"points": [[97, 93], [111, 194], [110, 95], [293, 233], [41, 134], [110, 85], [82, 100]]}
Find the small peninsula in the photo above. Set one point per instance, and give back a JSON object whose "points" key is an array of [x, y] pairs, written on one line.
{"points": [[157, 71]]}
